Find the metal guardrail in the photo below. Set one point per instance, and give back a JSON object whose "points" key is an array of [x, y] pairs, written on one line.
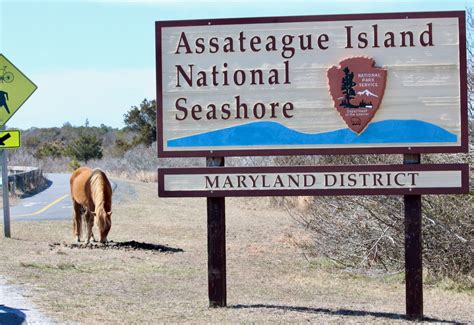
{"points": [[24, 178]]}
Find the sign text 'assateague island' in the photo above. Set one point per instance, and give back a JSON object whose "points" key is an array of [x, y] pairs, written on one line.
{"points": [[370, 83]]}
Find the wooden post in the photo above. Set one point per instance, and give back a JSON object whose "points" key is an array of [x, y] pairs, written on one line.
{"points": [[413, 250], [216, 266]]}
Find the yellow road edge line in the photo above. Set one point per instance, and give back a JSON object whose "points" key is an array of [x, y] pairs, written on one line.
{"points": [[44, 208]]}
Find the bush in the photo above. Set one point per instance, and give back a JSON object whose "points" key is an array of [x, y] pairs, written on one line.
{"points": [[53, 149], [85, 148], [368, 231], [73, 165], [47, 164]]}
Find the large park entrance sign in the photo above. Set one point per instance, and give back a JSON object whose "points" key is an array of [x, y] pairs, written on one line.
{"points": [[344, 84], [310, 85]]}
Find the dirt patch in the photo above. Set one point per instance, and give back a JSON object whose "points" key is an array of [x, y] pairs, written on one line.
{"points": [[125, 246]]}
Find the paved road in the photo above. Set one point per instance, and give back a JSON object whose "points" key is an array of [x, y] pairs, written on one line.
{"points": [[53, 203]]}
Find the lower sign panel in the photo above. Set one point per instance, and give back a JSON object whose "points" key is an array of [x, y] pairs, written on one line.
{"points": [[318, 180]]}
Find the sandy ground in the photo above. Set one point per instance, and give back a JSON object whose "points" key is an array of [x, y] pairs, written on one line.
{"points": [[268, 279]]}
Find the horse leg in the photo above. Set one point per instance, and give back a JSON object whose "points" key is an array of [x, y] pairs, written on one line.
{"points": [[77, 220], [90, 224], [89, 217]]}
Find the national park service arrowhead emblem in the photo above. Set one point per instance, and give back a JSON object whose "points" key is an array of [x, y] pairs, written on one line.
{"points": [[357, 89]]}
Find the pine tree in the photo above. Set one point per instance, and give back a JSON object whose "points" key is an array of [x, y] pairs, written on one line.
{"points": [[347, 87], [85, 148], [142, 121]]}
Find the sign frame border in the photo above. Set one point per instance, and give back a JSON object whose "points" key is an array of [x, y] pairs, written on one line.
{"points": [[464, 147], [464, 189]]}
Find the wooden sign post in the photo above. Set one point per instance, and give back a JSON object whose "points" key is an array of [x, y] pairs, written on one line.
{"points": [[391, 83], [413, 250], [216, 254]]}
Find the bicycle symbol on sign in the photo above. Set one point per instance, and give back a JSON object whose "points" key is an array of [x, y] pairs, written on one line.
{"points": [[6, 76]]}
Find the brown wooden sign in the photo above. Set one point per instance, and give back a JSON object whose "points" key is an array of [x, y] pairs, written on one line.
{"points": [[341, 84], [371, 83], [314, 180]]}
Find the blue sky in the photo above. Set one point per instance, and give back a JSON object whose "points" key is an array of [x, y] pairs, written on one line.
{"points": [[96, 59]]}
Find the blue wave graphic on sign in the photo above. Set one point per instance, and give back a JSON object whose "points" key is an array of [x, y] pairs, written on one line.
{"points": [[272, 133]]}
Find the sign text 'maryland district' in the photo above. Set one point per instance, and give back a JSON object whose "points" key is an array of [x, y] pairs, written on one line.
{"points": [[317, 180], [310, 180]]}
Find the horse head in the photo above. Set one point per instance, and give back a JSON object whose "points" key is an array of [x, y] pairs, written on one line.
{"points": [[103, 219]]}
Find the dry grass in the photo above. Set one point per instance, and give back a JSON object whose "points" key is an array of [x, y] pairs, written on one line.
{"points": [[268, 280]]}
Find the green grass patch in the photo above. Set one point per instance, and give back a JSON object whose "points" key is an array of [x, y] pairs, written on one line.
{"points": [[54, 267], [462, 284]]}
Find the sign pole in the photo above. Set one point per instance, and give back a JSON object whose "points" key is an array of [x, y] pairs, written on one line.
{"points": [[15, 89], [413, 250], [6, 203], [216, 266]]}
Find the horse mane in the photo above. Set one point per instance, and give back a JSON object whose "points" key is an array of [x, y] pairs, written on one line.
{"points": [[98, 183]]}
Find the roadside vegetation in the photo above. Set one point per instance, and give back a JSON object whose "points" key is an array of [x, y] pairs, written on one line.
{"points": [[366, 233], [126, 152]]}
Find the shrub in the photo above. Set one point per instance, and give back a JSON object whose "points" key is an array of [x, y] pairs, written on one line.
{"points": [[85, 148], [73, 165], [368, 231], [53, 149]]}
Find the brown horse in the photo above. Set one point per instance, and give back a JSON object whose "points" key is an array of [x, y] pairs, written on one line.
{"points": [[91, 195]]}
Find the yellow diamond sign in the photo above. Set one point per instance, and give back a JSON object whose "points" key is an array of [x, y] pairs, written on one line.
{"points": [[15, 89]]}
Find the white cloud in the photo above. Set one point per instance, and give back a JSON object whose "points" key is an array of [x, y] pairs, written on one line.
{"points": [[74, 95]]}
